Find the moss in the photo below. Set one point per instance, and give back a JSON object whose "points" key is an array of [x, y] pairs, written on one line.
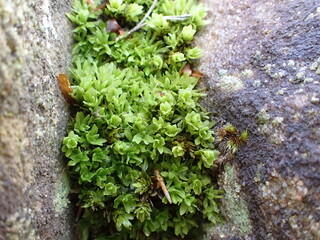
{"points": [[235, 211], [140, 146], [271, 127], [247, 73], [229, 83], [61, 198], [235, 207], [277, 121], [263, 117]]}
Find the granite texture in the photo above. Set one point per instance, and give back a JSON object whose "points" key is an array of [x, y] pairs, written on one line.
{"points": [[35, 44], [262, 74]]}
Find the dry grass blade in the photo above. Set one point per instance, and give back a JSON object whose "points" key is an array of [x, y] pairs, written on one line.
{"points": [[162, 185]]}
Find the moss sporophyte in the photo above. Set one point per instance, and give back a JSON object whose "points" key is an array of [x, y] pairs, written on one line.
{"points": [[140, 147]]}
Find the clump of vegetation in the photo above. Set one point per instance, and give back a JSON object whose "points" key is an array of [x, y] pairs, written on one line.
{"points": [[140, 148]]}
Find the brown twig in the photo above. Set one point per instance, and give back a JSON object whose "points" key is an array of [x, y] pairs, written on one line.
{"points": [[162, 185]]}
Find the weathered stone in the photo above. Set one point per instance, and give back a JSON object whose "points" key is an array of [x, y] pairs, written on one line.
{"points": [[277, 42], [35, 44], [262, 73]]}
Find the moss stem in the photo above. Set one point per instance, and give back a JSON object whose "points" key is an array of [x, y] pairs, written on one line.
{"points": [[141, 23]]}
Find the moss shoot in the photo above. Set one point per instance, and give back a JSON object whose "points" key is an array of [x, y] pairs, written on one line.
{"points": [[140, 147]]}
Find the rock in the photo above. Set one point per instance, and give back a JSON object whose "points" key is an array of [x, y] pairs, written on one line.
{"points": [[277, 43], [262, 74], [35, 46]]}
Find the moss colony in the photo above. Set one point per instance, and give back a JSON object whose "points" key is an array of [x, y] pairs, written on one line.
{"points": [[140, 146]]}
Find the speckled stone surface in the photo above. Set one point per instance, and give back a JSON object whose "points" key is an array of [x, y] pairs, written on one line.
{"points": [[35, 45], [261, 61], [262, 71]]}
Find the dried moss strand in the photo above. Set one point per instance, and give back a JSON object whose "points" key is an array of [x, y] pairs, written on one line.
{"points": [[141, 23], [170, 18]]}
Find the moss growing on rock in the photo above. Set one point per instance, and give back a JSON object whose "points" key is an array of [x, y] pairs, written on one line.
{"points": [[140, 147]]}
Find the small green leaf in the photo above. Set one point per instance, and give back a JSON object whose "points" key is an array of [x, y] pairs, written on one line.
{"points": [[187, 33], [208, 156], [244, 136], [197, 186], [71, 143], [177, 57], [123, 220], [143, 212], [165, 108], [110, 189], [137, 138], [178, 151], [93, 137], [116, 6], [133, 11], [158, 22], [183, 209], [194, 53], [114, 121], [99, 155], [193, 121], [172, 130]]}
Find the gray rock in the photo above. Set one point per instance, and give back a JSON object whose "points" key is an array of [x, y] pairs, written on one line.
{"points": [[262, 74], [35, 44], [277, 43]]}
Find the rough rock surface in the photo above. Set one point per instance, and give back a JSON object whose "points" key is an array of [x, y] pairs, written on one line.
{"points": [[262, 74], [35, 44]]}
